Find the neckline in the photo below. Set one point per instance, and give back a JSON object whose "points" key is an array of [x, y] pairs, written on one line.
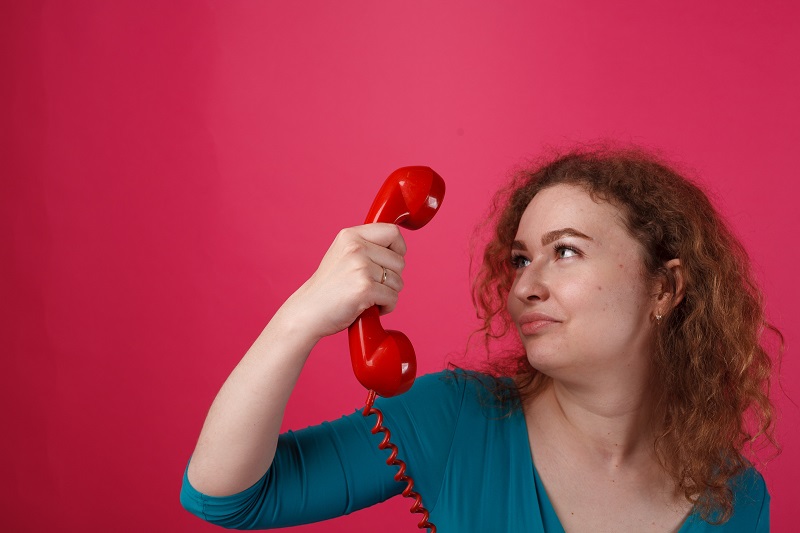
{"points": [[546, 506]]}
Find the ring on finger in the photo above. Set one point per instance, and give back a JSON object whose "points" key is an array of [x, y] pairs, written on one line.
{"points": [[383, 278]]}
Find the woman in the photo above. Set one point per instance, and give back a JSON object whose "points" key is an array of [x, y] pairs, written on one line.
{"points": [[640, 361]]}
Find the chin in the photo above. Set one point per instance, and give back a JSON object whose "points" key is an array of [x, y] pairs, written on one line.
{"points": [[561, 360], [546, 361]]}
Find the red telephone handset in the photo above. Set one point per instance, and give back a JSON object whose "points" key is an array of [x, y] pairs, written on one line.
{"points": [[384, 361]]}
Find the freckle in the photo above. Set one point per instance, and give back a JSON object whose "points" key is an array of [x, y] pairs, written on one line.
{"points": [[599, 288], [622, 266]]}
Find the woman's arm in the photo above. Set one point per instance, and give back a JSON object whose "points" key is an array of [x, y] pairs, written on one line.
{"points": [[238, 440], [337, 467]]}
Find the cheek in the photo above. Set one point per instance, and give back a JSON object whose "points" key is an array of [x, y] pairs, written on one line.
{"points": [[616, 294], [624, 293]]}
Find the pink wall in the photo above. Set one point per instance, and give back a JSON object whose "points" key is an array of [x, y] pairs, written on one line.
{"points": [[171, 171]]}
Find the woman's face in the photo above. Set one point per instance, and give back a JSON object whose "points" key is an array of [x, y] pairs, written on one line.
{"points": [[580, 301]]}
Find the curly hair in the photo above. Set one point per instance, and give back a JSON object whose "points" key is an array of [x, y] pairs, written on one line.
{"points": [[712, 370]]}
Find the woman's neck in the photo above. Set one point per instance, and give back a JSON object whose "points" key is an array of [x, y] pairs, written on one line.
{"points": [[609, 424]]}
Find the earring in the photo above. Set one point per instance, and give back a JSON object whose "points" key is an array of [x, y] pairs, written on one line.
{"points": [[658, 317]]}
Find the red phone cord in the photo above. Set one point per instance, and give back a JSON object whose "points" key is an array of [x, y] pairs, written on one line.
{"points": [[400, 476]]}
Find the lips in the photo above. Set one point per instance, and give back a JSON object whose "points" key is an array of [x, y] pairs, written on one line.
{"points": [[532, 323]]}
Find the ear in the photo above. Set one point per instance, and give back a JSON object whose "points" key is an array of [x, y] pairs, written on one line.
{"points": [[672, 286]]}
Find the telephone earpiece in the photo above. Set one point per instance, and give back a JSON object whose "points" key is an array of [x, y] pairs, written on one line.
{"points": [[384, 361]]}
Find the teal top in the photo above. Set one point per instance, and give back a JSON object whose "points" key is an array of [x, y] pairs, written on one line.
{"points": [[471, 464]]}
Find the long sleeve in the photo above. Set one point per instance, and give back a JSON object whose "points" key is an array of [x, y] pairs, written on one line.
{"points": [[336, 468]]}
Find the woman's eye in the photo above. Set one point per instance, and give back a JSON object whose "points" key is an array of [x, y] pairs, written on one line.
{"points": [[563, 252], [519, 261]]}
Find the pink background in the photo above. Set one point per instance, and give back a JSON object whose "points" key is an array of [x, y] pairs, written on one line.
{"points": [[172, 171]]}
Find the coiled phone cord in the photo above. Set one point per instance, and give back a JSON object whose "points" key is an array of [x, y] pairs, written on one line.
{"points": [[400, 476]]}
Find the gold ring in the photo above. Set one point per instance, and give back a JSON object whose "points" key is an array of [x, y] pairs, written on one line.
{"points": [[383, 279]]}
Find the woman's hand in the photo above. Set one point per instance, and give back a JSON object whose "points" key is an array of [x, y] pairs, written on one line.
{"points": [[349, 279]]}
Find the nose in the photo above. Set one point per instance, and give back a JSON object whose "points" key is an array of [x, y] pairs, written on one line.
{"points": [[530, 284]]}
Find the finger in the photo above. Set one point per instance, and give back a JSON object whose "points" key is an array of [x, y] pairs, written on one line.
{"points": [[357, 241], [382, 234], [393, 280], [385, 298], [385, 257]]}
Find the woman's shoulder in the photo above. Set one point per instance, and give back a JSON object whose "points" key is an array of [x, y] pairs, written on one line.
{"points": [[441, 384], [462, 379], [458, 385], [749, 486], [751, 502], [473, 390]]}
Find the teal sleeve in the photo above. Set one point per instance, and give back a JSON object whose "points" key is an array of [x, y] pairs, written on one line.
{"points": [[336, 468]]}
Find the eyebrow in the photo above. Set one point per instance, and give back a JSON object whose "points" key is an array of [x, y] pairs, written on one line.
{"points": [[552, 236]]}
